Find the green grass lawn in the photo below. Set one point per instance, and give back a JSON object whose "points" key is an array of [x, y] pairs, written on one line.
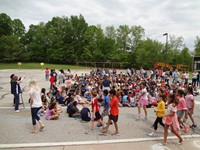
{"points": [[38, 66]]}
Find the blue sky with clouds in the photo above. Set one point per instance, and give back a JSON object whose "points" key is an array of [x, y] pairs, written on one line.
{"points": [[176, 17]]}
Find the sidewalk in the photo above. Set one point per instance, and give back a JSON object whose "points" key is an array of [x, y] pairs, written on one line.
{"points": [[189, 144]]}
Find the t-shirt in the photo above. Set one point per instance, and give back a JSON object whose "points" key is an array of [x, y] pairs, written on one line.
{"points": [[189, 98], [145, 94], [48, 114], [73, 110], [37, 102], [160, 109], [114, 106], [47, 71], [106, 102], [125, 98], [170, 109], [84, 113], [95, 105], [106, 83], [182, 104]]}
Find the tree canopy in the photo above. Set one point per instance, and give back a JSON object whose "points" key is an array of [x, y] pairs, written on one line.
{"points": [[67, 40]]}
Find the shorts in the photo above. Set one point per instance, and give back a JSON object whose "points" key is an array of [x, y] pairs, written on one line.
{"points": [[143, 102], [114, 118], [105, 113], [180, 113], [97, 116]]}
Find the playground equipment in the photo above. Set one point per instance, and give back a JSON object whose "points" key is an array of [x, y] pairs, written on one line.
{"points": [[180, 67]]}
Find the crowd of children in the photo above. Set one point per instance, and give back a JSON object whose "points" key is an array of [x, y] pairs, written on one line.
{"points": [[107, 88]]}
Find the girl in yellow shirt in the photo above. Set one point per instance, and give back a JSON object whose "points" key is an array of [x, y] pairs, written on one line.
{"points": [[160, 111]]}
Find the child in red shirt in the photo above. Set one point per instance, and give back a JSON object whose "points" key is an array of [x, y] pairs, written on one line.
{"points": [[114, 112], [96, 117]]}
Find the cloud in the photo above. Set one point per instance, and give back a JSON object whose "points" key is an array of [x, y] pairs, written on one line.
{"points": [[179, 17]]}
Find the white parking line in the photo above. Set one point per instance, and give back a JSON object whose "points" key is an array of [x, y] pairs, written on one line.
{"points": [[197, 102], [3, 146]]}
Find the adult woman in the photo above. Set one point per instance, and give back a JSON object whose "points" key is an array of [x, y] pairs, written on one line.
{"points": [[35, 103], [16, 90]]}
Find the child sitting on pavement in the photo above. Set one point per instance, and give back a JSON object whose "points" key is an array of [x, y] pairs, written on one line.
{"points": [[85, 113], [51, 114]]}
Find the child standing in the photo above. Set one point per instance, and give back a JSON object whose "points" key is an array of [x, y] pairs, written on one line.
{"points": [[143, 101], [189, 98], [160, 111], [96, 117], [47, 72], [106, 106], [171, 119], [114, 112], [181, 109]]}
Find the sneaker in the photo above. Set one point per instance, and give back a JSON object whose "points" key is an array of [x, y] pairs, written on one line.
{"points": [[138, 118], [145, 118], [116, 133], [152, 134], [88, 132], [99, 125], [193, 126], [16, 111], [186, 128]]}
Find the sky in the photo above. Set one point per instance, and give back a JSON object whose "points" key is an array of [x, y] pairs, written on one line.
{"points": [[175, 17]]}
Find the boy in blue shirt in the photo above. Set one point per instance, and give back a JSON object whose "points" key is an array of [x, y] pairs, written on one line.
{"points": [[106, 106]]}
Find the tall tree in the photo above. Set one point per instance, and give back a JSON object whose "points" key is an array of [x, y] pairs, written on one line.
{"points": [[148, 52], [123, 37], [176, 43], [137, 35], [5, 25], [18, 28], [197, 46]]}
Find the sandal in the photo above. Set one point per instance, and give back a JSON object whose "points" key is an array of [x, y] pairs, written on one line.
{"points": [[35, 132], [42, 127]]}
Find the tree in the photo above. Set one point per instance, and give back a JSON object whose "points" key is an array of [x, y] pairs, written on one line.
{"points": [[18, 28], [137, 34], [187, 59], [176, 43], [123, 39], [197, 46], [110, 32], [147, 53], [5, 25]]}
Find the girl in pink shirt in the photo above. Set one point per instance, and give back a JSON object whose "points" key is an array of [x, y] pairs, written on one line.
{"points": [[171, 119], [181, 109], [189, 98]]}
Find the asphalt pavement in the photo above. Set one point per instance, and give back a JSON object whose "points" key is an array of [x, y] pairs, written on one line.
{"points": [[69, 133]]}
